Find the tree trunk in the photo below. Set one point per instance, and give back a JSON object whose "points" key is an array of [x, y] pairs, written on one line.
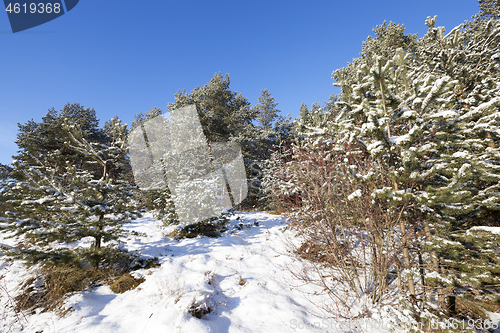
{"points": [[379, 262], [435, 267], [99, 229], [406, 257], [422, 277], [98, 242], [452, 304]]}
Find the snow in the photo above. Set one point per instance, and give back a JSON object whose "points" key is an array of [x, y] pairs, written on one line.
{"points": [[355, 194], [244, 276], [199, 270], [437, 276], [369, 126], [397, 140], [375, 147], [40, 201], [481, 109], [435, 89], [460, 154], [445, 114], [493, 230], [408, 114]]}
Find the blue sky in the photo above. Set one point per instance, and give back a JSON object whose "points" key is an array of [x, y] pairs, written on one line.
{"points": [[122, 57]]}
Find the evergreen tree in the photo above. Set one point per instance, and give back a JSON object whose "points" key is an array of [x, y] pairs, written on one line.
{"points": [[49, 136], [5, 172], [63, 204], [304, 112], [425, 114], [121, 169], [5, 178], [273, 129], [226, 116], [141, 118], [315, 118], [266, 109], [489, 9], [159, 201], [388, 38], [271, 133], [429, 112]]}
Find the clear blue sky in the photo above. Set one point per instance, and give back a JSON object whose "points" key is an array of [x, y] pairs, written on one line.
{"points": [[122, 57]]}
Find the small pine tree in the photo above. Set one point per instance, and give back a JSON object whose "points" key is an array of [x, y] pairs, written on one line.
{"points": [[272, 131], [61, 205]]}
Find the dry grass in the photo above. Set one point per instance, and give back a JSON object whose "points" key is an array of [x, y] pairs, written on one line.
{"points": [[125, 283], [275, 212], [47, 291]]}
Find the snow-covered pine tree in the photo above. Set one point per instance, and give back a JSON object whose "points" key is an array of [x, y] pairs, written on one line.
{"points": [[5, 177], [431, 116], [159, 201], [317, 117], [426, 113], [462, 169], [49, 136], [5, 172], [226, 115], [273, 129], [271, 132], [59, 205]]}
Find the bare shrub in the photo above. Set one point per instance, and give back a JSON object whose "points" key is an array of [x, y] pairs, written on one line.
{"points": [[350, 238], [9, 308], [171, 286]]}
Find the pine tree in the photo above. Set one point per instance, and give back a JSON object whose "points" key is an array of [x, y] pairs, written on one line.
{"points": [[5, 178], [425, 114], [5, 172], [272, 129], [226, 116], [388, 38], [49, 136], [141, 118], [159, 201], [272, 132], [310, 121], [266, 109], [489, 9], [429, 112], [63, 204]]}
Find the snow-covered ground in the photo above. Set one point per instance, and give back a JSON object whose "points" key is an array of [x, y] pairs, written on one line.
{"points": [[243, 277]]}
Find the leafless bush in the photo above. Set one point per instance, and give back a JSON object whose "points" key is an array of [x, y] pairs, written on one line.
{"points": [[9, 308], [352, 240], [171, 286]]}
